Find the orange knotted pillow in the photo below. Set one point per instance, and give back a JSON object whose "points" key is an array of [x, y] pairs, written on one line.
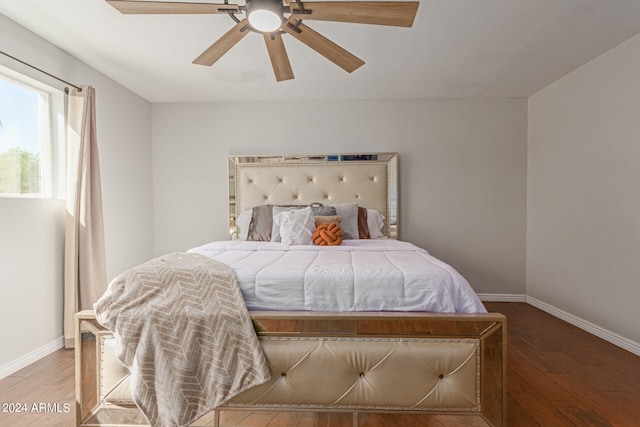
{"points": [[327, 235]]}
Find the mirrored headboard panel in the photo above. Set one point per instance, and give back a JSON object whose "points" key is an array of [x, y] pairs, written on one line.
{"points": [[371, 179]]}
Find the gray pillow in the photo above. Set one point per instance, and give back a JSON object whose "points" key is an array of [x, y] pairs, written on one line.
{"points": [[349, 224], [319, 210], [261, 224]]}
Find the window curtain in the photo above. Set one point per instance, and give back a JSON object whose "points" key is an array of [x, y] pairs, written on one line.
{"points": [[85, 278]]}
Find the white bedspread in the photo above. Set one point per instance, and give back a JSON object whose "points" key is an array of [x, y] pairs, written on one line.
{"points": [[359, 275]]}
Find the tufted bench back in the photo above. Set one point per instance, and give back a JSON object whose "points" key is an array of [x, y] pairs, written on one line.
{"points": [[346, 373]]}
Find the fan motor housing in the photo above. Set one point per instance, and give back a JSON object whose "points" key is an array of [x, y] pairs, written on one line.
{"points": [[265, 15]]}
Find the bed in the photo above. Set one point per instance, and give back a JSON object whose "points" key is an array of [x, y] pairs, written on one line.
{"points": [[367, 330]]}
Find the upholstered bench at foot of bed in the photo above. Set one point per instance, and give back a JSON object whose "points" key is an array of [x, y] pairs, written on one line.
{"points": [[347, 363]]}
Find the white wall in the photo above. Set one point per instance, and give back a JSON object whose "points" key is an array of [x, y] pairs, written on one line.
{"points": [[31, 298], [31, 234], [462, 162], [583, 233]]}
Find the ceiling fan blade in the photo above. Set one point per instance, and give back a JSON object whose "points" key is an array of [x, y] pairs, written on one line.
{"points": [[399, 14], [223, 44], [279, 58], [325, 47], [161, 7]]}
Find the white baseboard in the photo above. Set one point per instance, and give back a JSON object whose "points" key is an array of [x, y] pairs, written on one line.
{"points": [[30, 358], [576, 321], [585, 325], [503, 297]]}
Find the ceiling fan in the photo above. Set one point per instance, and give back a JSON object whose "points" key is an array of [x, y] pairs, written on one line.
{"points": [[273, 18]]}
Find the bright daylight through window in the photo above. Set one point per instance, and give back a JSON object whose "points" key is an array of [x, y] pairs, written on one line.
{"points": [[25, 139]]}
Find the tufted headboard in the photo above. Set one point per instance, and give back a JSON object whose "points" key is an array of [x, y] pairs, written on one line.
{"points": [[369, 179]]}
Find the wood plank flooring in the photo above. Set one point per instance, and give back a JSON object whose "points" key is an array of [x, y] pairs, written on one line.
{"points": [[558, 375]]}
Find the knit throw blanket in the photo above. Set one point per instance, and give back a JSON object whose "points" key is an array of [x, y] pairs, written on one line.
{"points": [[183, 329]]}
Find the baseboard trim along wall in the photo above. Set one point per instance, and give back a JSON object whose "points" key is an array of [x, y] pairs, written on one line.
{"points": [[585, 325], [576, 321], [30, 358]]}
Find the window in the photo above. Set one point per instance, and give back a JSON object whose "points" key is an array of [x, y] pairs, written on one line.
{"points": [[28, 159]]}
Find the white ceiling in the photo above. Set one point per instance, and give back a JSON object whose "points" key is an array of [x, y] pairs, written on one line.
{"points": [[456, 48]]}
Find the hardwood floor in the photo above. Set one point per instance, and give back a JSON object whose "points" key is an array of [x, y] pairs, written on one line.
{"points": [[48, 381], [558, 375]]}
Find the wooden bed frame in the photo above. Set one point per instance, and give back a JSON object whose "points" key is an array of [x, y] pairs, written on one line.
{"points": [[391, 366]]}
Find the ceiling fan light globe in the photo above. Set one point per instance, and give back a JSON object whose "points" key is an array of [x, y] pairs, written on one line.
{"points": [[264, 20]]}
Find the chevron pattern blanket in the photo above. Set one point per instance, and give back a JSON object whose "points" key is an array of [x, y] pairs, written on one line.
{"points": [[183, 329]]}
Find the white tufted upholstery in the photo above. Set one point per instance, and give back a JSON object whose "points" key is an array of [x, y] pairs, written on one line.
{"points": [[369, 373], [300, 184], [347, 373], [114, 375]]}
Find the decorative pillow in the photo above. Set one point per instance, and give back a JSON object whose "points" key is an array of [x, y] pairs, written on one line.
{"points": [[275, 230], [296, 226], [242, 224], [316, 208], [375, 223], [328, 219], [363, 227], [261, 223], [261, 228], [349, 224], [328, 235], [319, 210]]}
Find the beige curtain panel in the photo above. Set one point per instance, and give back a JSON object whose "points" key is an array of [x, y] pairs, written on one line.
{"points": [[85, 278]]}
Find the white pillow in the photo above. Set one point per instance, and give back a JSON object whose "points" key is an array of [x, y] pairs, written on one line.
{"points": [[296, 226], [349, 223], [242, 223], [275, 228], [375, 222]]}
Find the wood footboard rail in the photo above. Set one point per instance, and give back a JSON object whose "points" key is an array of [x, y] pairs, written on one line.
{"points": [[370, 365]]}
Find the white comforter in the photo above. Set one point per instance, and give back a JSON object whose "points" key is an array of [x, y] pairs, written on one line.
{"points": [[359, 275]]}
